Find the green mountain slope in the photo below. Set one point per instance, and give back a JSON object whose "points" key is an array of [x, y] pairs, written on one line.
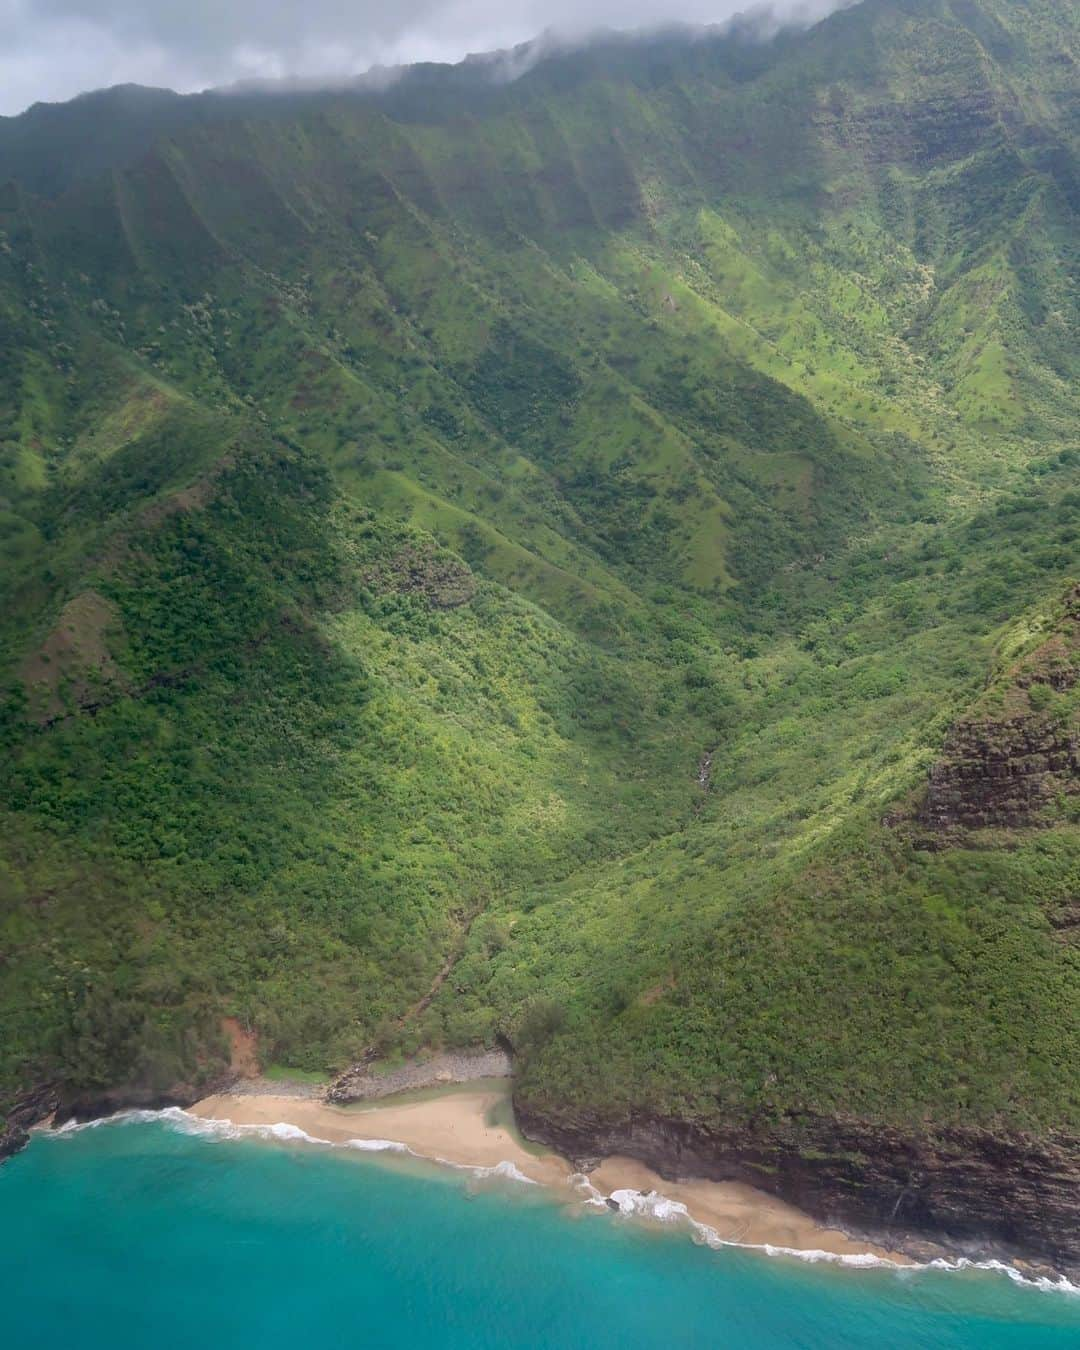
{"points": [[551, 531]]}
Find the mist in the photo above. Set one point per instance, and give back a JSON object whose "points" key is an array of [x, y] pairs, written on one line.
{"points": [[55, 49]]}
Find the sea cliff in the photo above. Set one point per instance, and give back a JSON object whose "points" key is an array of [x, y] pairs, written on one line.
{"points": [[972, 1192]]}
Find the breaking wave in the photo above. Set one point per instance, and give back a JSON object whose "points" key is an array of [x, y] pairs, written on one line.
{"points": [[183, 1122], [654, 1207], [650, 1206], [501, 1169]]}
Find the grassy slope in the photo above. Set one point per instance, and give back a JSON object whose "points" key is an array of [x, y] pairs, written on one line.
{"points": [[741, 410]]}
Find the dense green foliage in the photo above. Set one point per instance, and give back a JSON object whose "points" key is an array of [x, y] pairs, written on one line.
{"points": [[549, 529]]}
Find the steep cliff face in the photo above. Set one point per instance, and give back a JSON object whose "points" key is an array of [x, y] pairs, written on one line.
{"points": [[32, 1108], [1000, 774], [982, 1194], [50, 1101], [1019, 750]]}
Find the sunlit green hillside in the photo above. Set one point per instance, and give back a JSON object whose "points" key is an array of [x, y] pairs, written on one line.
{"points": [[547, 531]]}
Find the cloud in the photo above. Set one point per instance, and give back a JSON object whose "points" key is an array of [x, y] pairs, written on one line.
{"points": [[54, 49]]}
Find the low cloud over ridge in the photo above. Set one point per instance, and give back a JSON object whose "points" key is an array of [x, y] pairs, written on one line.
{"points": [[54, 49]]}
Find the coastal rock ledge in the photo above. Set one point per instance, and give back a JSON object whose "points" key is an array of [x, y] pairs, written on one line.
{"points": [[364, 1082], [974, 1193]]}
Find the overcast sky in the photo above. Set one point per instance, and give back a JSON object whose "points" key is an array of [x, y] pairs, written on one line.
{"points": [[54, 49]]}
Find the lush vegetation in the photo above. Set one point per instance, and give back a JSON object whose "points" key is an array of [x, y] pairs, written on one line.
{"points": [[551, 543]]}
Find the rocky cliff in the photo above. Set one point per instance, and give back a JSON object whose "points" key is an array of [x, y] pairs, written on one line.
{"points": [[984, 1195], [1018, 751], [20, 1118], [52, 1101], [1000, 774]]}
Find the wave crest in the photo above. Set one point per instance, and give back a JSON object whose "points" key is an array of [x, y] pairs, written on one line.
{"points": [[208, 1127], [657, 1208], [650, 1206]]}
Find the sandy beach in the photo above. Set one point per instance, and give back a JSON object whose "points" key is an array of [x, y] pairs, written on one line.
{"points": [[471, 1128], [454, 1126], [736, 1212]]}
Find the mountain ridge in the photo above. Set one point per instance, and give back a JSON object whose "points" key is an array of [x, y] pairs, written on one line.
{"points": [[37, 144], [400, 508]]}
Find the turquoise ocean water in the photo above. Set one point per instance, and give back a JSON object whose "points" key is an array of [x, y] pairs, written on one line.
{"points": [[137, 1234]]}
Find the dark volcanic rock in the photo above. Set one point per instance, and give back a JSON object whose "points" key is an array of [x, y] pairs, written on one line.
{"points": [[95, 1105], [35, 1106], [927, 131], [1000, 774], [40, 1103], [1004, 763], [435, 575], [987, 1195]]}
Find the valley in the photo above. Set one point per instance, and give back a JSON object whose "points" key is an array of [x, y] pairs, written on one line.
{"points": [[584, 565]]}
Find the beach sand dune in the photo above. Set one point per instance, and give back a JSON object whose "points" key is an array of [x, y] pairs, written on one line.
{"points": [[471, 1128]]}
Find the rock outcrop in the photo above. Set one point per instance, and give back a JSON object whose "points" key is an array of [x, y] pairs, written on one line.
{"points": [[1018, 751], [74, 667], [362, 1083], [434, 575], [107, 1102], [19, 1118], [51, 1101], [1000, 774]]}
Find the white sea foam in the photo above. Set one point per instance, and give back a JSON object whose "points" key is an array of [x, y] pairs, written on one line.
{"points": [[170, 1114], [594, 1199], [377, 1145], [1058, 1285], [650, 1206], [183, 1122], [657, 1208], [227, 1129], [506, 1170]]}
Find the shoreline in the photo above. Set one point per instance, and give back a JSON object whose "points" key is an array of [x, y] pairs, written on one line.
{"points": [[470, 1125]]}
